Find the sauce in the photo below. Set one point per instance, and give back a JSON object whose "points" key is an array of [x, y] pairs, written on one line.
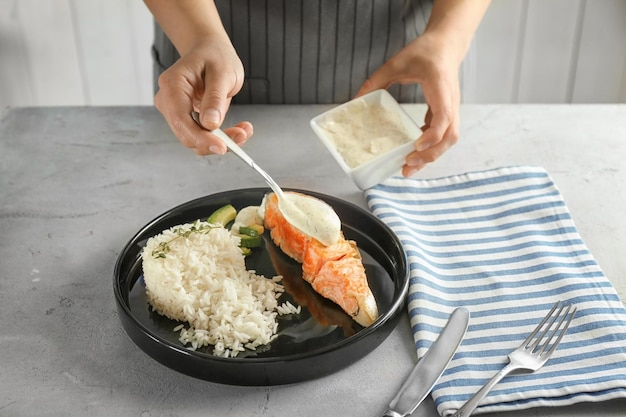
{"points": [[312, 216], [363, 131]]}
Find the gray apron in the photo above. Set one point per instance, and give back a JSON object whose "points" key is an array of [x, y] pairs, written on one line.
{"points": [[311, 51]]}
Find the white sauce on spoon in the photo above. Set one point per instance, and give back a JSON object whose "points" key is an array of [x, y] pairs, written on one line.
{"points": [[312, 216], [309, 214]]}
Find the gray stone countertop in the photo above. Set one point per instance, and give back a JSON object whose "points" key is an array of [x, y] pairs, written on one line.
{"points": [[77, 183]]}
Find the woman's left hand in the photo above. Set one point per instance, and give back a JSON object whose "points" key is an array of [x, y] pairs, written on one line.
{"points": [[425, 61]]}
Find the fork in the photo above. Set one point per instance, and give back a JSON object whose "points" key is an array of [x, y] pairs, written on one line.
{"points": [[532, 354]]}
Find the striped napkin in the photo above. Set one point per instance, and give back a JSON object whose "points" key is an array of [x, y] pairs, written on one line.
{"points": [[503, 244]]}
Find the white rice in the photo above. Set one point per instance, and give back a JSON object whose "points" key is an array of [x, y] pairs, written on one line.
{"points": [[288, 308], [196, 273]]}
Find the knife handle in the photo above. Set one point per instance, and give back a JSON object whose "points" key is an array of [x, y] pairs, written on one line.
{"points": [[391, 413]]}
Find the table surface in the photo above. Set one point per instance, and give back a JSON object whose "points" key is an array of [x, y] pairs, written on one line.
{"points": [[77, 183]]}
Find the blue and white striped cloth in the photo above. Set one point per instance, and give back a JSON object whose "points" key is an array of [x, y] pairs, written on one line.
{"points": [[503, 244]]}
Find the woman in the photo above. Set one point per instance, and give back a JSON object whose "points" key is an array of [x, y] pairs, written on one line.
{"points": [[310, 51]]}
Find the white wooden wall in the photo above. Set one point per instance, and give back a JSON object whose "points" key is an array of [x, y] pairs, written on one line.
{"points": [[551, 51], [74, 52], [97, 52]]}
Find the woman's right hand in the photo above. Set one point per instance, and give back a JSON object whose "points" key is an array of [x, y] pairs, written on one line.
{"points": [[204, 80]]}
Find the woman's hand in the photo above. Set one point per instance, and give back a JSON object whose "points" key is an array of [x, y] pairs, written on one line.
{"points": [[205, 79], [424, 61], [433, 60]]}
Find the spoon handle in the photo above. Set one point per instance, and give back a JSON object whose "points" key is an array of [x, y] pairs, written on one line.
{"points": [[236, 149]]}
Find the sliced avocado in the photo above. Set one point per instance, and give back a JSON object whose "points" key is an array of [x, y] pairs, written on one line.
{"points": [[223, 215], [258, 227], [250, 241], [249, 231]]}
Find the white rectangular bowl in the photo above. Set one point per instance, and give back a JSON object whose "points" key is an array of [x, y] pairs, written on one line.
{"points": [[382, 166]]}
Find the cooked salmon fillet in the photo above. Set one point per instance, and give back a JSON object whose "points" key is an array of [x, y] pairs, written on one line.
{"points": [[335, 272]]}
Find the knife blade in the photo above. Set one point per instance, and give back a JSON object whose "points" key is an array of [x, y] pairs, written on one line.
{"points": [[430, 367]]}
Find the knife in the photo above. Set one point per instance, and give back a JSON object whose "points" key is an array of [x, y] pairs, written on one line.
{"points": [[429, 368]]}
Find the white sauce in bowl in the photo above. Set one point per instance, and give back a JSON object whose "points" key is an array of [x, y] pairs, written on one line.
{"points": [[362, 131]]}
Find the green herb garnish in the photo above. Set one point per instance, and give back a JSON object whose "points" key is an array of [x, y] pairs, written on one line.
{"points": [[181, 232]]}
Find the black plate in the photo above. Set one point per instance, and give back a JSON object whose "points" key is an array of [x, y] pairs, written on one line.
{"points": [[317, 342]]}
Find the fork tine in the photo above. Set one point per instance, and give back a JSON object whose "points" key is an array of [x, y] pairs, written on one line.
{"points": [[552, 330], [540, 325], [548, 327], [564, 329]]}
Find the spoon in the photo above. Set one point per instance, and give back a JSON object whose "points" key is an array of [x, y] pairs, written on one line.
{"points": [[326, 231]]}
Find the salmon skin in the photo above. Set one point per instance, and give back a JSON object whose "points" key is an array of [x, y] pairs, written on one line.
{"points": [[336, 272]]}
